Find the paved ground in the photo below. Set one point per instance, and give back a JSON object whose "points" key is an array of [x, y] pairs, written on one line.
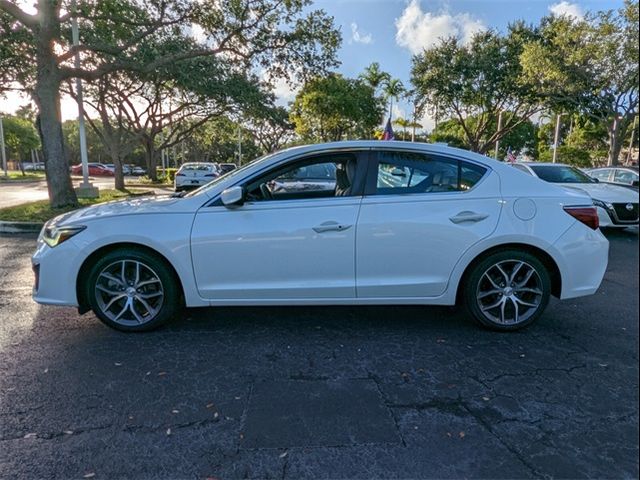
{"points": [[321, 392], [15, 193]]}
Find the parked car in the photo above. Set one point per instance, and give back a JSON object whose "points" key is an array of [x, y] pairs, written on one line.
{"points": [[627, 176], [110, 166], [194, 175], [446, 226], [617, 206], [33, 166], [226, 167], [137, 171], [95, 169]]}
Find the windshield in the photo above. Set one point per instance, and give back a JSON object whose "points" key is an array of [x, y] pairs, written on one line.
{"points": [[203, 167], [233, 173], [561, 174]]}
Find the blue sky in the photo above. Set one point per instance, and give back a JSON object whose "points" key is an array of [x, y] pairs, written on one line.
{"points": [[389, 31]]}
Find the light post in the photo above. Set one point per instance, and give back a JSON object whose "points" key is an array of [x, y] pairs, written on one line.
{"points": [[239, 145], [556, 138], [85, 189], [2, 152], [498, 132]]}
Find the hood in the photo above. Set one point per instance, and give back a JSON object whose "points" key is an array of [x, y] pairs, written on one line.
{"points": [[603, 191], [131, 206]]}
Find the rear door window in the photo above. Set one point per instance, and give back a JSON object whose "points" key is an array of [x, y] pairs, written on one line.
{"points": [[398, 172]]}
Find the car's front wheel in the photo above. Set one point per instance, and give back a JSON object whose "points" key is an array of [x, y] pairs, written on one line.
{"points": [[133, 290], [507, 290]]}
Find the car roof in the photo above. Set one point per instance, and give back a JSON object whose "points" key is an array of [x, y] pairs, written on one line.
{"points": [[435, 148], [546, 164]]}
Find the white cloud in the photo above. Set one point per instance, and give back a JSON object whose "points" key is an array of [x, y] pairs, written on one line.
{"points": [[359, 37], [417, 29], [567, 9]]}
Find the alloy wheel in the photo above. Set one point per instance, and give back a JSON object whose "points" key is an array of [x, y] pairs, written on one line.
{"points": [[129, 292], [509, 292]]}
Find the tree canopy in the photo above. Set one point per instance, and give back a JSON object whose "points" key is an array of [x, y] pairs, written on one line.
{"points": [[336, 108]]}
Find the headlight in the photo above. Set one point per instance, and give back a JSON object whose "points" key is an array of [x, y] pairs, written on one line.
{"points": [[600, 203], [54, 236]]}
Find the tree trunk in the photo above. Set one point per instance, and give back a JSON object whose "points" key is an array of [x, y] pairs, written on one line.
{"points": [[150, 157], [118, 173], [615, 141], [47, 97]]}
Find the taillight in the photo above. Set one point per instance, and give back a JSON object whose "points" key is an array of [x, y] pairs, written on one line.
{"points": [[586, 215]]}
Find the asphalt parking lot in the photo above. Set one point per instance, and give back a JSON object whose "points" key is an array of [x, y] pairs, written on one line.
{"points": [[349, 392]]}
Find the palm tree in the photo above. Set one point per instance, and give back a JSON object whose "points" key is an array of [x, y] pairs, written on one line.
{"points": [[401, 122], [393, 88], [373, 76]]}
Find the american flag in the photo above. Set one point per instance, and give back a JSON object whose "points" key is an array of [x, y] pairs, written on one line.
{"points": [[511, 157], [388, 131]]}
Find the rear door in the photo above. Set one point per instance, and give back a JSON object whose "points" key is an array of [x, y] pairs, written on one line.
{"points": [[420, 213]]}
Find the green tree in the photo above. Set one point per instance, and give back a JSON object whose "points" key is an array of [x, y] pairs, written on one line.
{"points": [[521, 138], [374, 77], [333, 108], [20, 137], [36, 49], [569, 155], [590, 67], [472, 83], [217, 141]]}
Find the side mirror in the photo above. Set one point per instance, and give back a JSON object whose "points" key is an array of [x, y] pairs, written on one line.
{"points": [[398, 172], [233, 196], [635, 183], [595, 180]]}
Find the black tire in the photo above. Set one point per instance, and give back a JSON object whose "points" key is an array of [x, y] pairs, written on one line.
{"points": [[158, 285], [488, 275]]}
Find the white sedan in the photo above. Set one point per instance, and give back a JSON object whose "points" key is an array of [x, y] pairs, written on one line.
{"points": [[405, 223], [617, 205], [195, 174]]}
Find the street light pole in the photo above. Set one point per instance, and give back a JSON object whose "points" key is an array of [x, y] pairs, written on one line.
{"points": [[556, 138], [2, 152], [85, 189], [633, 137], [498, 131], [239, 145]]}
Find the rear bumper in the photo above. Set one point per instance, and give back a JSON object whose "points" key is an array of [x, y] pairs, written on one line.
{"points": [[585, 255]]}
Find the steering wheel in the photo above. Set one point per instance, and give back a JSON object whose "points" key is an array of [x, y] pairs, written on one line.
{"points": [[266, 193]]}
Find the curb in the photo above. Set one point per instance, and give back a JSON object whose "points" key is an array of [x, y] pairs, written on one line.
{"points": [[20, 227]]}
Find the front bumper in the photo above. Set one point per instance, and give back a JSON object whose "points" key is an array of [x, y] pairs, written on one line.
{"points": [[56, 270], [609, 218]]}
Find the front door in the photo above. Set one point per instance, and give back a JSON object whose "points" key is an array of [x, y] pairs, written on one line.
{"points": [[293, 238]]}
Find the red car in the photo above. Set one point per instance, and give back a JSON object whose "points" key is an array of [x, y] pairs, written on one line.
{"points": [[96, 169]]}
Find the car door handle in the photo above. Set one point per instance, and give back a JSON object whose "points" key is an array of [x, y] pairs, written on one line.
{"points": [[468, 217], [331, 227]]}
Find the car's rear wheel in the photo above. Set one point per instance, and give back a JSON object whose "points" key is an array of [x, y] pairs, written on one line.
{"points": [[133, 290], [507, 290]]}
